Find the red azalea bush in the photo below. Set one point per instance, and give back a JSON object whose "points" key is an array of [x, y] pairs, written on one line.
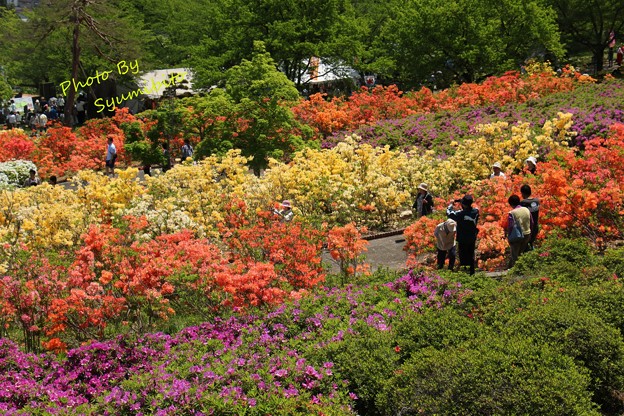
{"points": [[116, 282], [62, 151], [15, 144]]}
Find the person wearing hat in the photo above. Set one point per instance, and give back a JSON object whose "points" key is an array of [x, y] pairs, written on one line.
{"points": [[531, 164], [286, 212], [466, 219], [498, 173], [445, 242], [423, 205]]}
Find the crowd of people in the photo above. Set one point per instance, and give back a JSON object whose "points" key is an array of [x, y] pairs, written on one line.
{"points": [[458, 233], [37, 115]]}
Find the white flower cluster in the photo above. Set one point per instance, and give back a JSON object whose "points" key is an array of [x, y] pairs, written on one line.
{"points": [[161, 220], [15, 171]]}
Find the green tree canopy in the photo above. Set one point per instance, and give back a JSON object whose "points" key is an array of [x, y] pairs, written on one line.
{"points": [[468, 39], [586, 25]]}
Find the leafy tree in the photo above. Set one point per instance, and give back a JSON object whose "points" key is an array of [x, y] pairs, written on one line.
{"points": [[211, 119], [6, 92], [251, 113], [468, 39], [293, 32], [84, 35], [169, 123], [588, 24], [262, 94]]}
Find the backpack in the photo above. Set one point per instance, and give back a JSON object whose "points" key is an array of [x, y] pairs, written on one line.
{"points": [[516, 233]]}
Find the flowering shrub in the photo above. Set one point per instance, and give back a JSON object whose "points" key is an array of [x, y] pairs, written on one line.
{"points": [[367, 107], [16, 171], [274, 362], [345, 245]]}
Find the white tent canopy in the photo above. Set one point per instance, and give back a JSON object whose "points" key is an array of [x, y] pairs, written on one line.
{"points": [[153, 83]]}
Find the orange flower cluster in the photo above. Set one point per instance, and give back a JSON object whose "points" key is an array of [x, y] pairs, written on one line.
{"points": [[581, 195], [346, 246], [369, 106], [117, 279], [61, 151]]}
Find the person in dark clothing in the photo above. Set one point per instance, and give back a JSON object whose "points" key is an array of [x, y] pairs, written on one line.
{"points": [[466, 219], [166, 157], [533, 205], [423, 205]]}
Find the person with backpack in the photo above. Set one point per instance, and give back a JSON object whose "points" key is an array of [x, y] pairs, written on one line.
{"points": [[466, 219], [518, 230], [187, 150], [533, 205]]}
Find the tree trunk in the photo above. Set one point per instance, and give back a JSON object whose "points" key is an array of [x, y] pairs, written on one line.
{"points": [[71, 95], [598, 58]]}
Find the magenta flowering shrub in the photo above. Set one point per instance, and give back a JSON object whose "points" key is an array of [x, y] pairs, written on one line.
{"points": [[428, 290], [277, 363]]}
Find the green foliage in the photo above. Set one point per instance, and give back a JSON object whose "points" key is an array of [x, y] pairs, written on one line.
{"points": [[613, 260], [567, 260], [439, 329], [211, 121], [587, 339], [367, 360], [110, 31], [137, 146], [469, 39], [252, 114], [293, 32], [492, 375], [586, 26]]}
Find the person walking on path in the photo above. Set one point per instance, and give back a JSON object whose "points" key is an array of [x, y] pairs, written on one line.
{"points": [[111, 157], [445, 242], [518, 231], [423, 205], [466, 219], [533, 206]]}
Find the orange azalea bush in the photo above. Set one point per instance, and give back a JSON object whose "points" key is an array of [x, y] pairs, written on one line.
{"points": [[369, 106], [581, 195], [346, 246]]}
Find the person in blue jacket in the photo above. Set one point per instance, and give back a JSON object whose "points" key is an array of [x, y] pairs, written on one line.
{"points": [[466, 219]]}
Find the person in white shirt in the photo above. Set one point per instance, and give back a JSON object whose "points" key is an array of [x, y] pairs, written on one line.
{"points": [[498, 172], [286, 212], [445, 242], [111, 157]]}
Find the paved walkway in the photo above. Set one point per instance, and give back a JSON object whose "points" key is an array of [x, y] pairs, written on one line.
{"points": [[384, 252]]}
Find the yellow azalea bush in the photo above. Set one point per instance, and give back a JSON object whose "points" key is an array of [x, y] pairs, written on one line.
{"points": [[44, 217], [353, 182], [350, 182], [473, 158]]}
